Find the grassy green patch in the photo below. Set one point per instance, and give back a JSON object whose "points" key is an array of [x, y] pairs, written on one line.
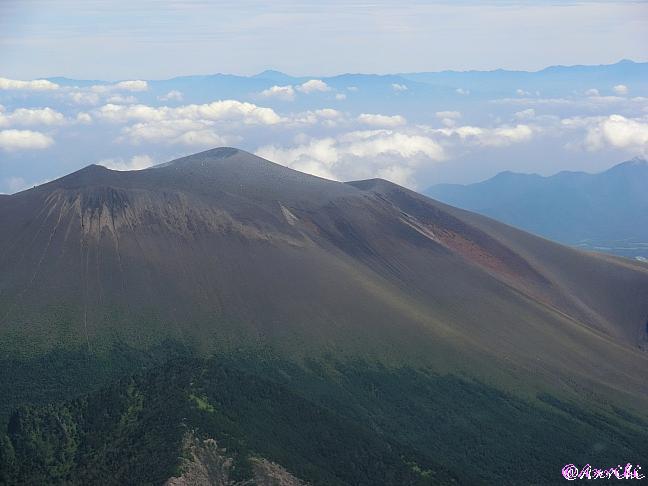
{"points": [[202, 403]]}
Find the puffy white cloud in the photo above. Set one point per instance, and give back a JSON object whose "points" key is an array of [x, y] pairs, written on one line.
{"points": [[340, 97], [376, 142], [328, 117], [399, 87], [313, 86], [448, 114], [316, 156], [489, 137], [360, 154], [353, 89], [230, 110], [84, 118], [286, 93], [521, 92], [137, 162], [226, 110], [462, 91], [448, 118], [25, 117], [328, 113], [621, 89], [84, 98], [122, 100], [195, 133], [592, 92], [121, 113], [36, 85], [377, 120], [616, 131], [173, 95], [525, 114], [24, 140], [192, 125], [136, 85], [133, 85]]}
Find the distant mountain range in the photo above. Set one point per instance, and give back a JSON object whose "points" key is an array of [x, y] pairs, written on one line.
{"points": [[227, 316], [605, 212], [551, 81]]}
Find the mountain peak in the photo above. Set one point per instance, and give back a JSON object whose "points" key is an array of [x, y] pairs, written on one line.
{"points": [[629, 165], [218, 153], [221, 158], [273, 75]]}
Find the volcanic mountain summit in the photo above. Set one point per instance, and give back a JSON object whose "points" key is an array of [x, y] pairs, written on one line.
{"points": [[223, 249]]}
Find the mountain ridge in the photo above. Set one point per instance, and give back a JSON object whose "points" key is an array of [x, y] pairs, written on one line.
{"points": [[592, 210], [208, 214]]}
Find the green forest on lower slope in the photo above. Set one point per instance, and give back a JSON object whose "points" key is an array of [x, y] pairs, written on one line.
{"points": [[327, 422]]}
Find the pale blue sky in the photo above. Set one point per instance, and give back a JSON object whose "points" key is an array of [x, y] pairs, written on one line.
{"points": [[119, 39]]}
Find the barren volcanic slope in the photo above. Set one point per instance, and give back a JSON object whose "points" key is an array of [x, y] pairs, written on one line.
{"points": [[225, 252]]}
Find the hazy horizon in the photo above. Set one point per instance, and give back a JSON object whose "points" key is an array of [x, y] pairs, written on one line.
{"points": [[330, 75]]}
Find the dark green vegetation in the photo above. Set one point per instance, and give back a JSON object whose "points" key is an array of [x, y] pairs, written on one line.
{"points": [[327, 423], [62, 373], [395, 339], [605, 212]]}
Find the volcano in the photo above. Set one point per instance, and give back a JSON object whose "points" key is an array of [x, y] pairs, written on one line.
{"points": [[226, 253]]}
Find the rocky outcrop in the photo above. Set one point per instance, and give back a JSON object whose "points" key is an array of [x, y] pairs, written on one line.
{"points": [[204, 463]]}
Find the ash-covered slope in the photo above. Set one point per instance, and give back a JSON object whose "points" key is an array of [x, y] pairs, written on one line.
{"points": [[223, 250]]}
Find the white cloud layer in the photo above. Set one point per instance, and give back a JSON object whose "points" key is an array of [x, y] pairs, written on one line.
{"points": [[173, 95], [286, 93], [119, 99], [137, 162], [501, 136], [448, 118], [134, 85], [84, 98], [618, 132], [26, 117], [313, 86], [621, 90], [11, 140], [230, 110], [360, 154], [35, 85], [200, 133], [377, 120]]}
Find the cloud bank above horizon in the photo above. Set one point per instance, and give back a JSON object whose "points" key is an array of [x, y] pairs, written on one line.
{"points": [[435, 127], [128, 84]]}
